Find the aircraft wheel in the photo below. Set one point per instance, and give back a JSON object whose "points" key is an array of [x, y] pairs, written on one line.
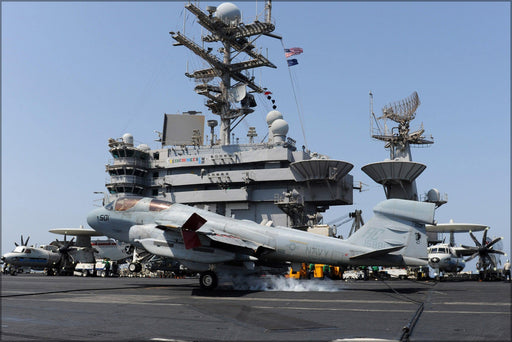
{"points": [[134, 267], [208, 280]]}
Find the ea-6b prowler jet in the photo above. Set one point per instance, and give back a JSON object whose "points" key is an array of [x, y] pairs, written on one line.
{"points": [[210, 243]]}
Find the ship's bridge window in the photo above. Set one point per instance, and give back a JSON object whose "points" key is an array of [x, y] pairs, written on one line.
{"points": [[158, 205], [125, 203]]}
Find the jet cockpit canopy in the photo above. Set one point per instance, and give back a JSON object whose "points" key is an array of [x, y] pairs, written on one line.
{"points": [[126, 203]]}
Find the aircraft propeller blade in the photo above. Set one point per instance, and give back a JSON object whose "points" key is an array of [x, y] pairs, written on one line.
{"points": [[474, 239], [22, 243], [492, 261], [472, 248], [484, 250], [497, 252], [65, 247], [484, 238], [474, 255], [493, 242]]}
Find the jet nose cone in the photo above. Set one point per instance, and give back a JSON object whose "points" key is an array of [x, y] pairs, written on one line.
{"points": [[92, 218]]}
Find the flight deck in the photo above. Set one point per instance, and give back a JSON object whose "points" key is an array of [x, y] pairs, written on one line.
{"points": [[36, 307]]}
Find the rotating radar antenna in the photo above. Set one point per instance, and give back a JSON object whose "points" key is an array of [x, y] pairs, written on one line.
{"points": [[402, 112]]}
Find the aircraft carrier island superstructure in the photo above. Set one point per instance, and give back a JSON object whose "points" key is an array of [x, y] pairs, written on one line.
{"points": [[263, 182]]}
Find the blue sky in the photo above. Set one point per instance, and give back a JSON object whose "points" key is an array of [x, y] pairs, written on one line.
{"points": [[76, 73]]}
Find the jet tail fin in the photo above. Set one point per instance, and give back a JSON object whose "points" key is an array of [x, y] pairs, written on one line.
{"points": [[398, 226]]}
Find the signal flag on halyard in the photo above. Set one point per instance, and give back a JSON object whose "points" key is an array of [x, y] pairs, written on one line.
{"points": [[292, 62], [292, 51]]}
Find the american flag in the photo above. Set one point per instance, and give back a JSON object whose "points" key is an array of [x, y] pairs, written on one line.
{"points": [[292, 51]]}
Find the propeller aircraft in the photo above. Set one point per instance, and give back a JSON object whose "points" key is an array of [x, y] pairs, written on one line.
{"points": [[24, 256], [447, 258], [58, 257]]}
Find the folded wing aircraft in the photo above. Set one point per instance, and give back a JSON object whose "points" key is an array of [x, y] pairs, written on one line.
{"points": [[211, 244]]}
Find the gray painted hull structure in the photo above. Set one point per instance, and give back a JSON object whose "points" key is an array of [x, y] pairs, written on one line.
{"points": [[245, 181]]}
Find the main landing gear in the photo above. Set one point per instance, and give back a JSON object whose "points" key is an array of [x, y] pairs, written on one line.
{"points": [[208, 280], [135, 267], [137, 259]]}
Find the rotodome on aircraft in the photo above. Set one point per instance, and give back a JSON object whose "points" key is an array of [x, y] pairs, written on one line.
{"points": [[213, 244], [447, 258]]}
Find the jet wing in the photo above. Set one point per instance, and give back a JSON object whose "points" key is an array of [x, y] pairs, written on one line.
{"points": [[231, 240], [194, 228], [166, 226]]}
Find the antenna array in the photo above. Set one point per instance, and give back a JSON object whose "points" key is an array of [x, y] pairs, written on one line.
{"points": [[402, 111]]}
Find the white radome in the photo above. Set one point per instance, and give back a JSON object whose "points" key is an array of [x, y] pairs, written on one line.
{"points": [[272, 116], [228, 13], [279, 127], [144, 147], [128, 138]]}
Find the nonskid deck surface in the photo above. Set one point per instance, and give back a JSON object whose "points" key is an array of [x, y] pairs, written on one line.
{"points": [[37, 307]]}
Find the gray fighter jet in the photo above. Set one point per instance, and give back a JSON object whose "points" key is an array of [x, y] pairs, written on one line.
{"points": [[213, 244]]}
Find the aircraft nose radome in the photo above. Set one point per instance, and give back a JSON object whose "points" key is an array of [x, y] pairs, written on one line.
{"points": [[92, 218], [7, 258]]}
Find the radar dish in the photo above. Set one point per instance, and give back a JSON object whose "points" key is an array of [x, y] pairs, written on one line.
{"points": [[402, 111], [400, 138]]}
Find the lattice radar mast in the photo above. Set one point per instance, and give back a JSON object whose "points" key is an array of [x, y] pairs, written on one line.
{"points": [[226, 27], [399, 139]]}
